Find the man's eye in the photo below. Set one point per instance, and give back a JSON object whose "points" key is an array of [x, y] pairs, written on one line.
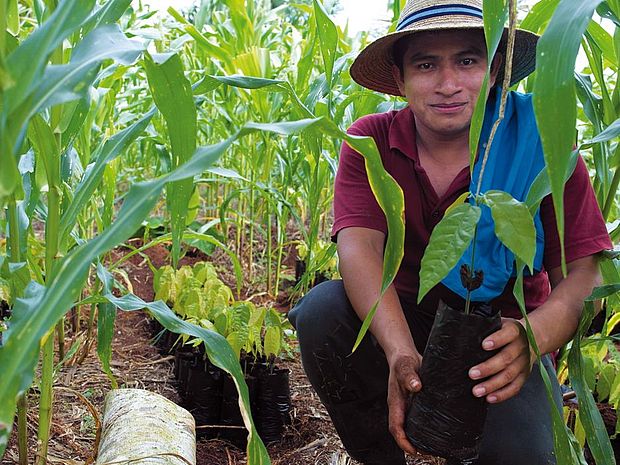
{"points": [[425, 66], [467, 61]]}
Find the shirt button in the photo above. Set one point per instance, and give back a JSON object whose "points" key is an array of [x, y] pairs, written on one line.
{"points": [[435, 214]]}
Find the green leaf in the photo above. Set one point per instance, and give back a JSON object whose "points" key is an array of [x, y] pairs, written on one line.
{"points": [[328, 39], [106, 315], [172, 93], [514, 225], [598, 441], [272, 341], [555, 101], [539, 15], [603, 291], [13, 18], [605, 381], [29, 59], [390, 198], [64, 83], [567, 450], [111, 149], [109, 13], [541, 187], [447, 244], [611, 132]]}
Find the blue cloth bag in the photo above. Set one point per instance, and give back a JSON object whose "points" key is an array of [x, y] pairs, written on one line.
{"points": [[515, 159]]}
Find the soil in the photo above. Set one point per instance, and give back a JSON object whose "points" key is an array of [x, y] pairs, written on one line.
{"points": [[81, 385]]}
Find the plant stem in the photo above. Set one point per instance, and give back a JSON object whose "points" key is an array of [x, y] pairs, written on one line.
{"points": [[500, 118], [611, 194], [52, 228], [504, 95], [22, 401]]}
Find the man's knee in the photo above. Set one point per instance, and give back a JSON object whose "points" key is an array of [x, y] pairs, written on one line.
{"points": [[324, 308]]}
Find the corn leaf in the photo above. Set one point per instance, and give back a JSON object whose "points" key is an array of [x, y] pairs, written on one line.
{"points": [[64, 83], [111, 149], [598, 441], [567, 449], [514, 225], [29, 59], [447, 244], [555, 101], [173, 96], [106, 315], [328, 40], [390, 198]]}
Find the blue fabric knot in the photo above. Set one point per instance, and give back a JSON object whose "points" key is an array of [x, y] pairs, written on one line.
{"points": [[515, 159]]}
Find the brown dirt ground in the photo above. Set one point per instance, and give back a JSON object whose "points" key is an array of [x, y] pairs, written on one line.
{"points": [[81, 388]]}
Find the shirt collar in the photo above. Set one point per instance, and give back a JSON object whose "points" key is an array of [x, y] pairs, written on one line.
{"points": [[402, 134]]}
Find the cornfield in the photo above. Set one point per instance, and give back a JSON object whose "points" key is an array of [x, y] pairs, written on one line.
{"points": [[219, 128]]}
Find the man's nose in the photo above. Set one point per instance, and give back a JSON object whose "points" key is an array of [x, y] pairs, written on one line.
{"points": [[449, 81]]}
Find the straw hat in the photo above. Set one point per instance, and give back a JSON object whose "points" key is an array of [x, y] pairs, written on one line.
{"points": [[373, 66]]}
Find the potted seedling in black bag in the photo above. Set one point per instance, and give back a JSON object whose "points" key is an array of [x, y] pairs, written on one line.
{"points": [[474, 251]]}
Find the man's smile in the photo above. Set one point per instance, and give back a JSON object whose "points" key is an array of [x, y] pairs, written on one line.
{"points": [[448, 107]]}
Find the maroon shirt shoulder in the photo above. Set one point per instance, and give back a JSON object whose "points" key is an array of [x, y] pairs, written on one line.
{"points": [[394, 134]]}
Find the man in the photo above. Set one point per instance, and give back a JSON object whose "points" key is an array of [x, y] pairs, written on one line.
{"points": [[437, 60]]}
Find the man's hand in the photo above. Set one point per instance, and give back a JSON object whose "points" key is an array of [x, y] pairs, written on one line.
{"points": [[509, 368], [403, 381]]}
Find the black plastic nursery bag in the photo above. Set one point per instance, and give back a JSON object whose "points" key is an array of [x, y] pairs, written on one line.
{"points": [[445, 418]]}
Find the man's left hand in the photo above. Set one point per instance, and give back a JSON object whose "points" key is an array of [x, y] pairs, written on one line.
{"points": [[507, 370]]}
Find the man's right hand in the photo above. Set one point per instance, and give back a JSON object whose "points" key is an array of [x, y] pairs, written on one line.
{"points": [[403, 382]]}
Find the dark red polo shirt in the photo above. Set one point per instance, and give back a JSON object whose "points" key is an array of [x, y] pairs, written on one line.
{"points": [[394, 134]]}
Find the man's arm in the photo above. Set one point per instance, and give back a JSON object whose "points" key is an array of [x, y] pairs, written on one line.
{"points": [[554, 324], [360, 251]]}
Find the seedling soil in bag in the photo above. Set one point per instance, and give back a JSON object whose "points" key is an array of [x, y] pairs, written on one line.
{"points": [[445, 418]]}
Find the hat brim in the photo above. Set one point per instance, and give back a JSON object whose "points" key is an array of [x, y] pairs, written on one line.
{"points": [[373, 66]]}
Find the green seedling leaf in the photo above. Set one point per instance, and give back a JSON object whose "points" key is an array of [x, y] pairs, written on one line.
{"points": [[272, 341], [598, 441], [605, 381], [447, 244], [514, 225], [13, 17], [555, 101]]}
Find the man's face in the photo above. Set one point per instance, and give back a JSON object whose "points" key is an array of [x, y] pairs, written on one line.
{"points": [[441, 79]]}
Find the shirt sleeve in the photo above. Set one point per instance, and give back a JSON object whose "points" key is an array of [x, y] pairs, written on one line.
{"points": [[585, 232], [354, 202]]}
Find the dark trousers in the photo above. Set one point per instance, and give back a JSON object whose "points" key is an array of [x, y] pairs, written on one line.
{"points": [[353, 387]]}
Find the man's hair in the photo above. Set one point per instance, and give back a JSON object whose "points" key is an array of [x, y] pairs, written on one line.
{"points": [[398, 51]]}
